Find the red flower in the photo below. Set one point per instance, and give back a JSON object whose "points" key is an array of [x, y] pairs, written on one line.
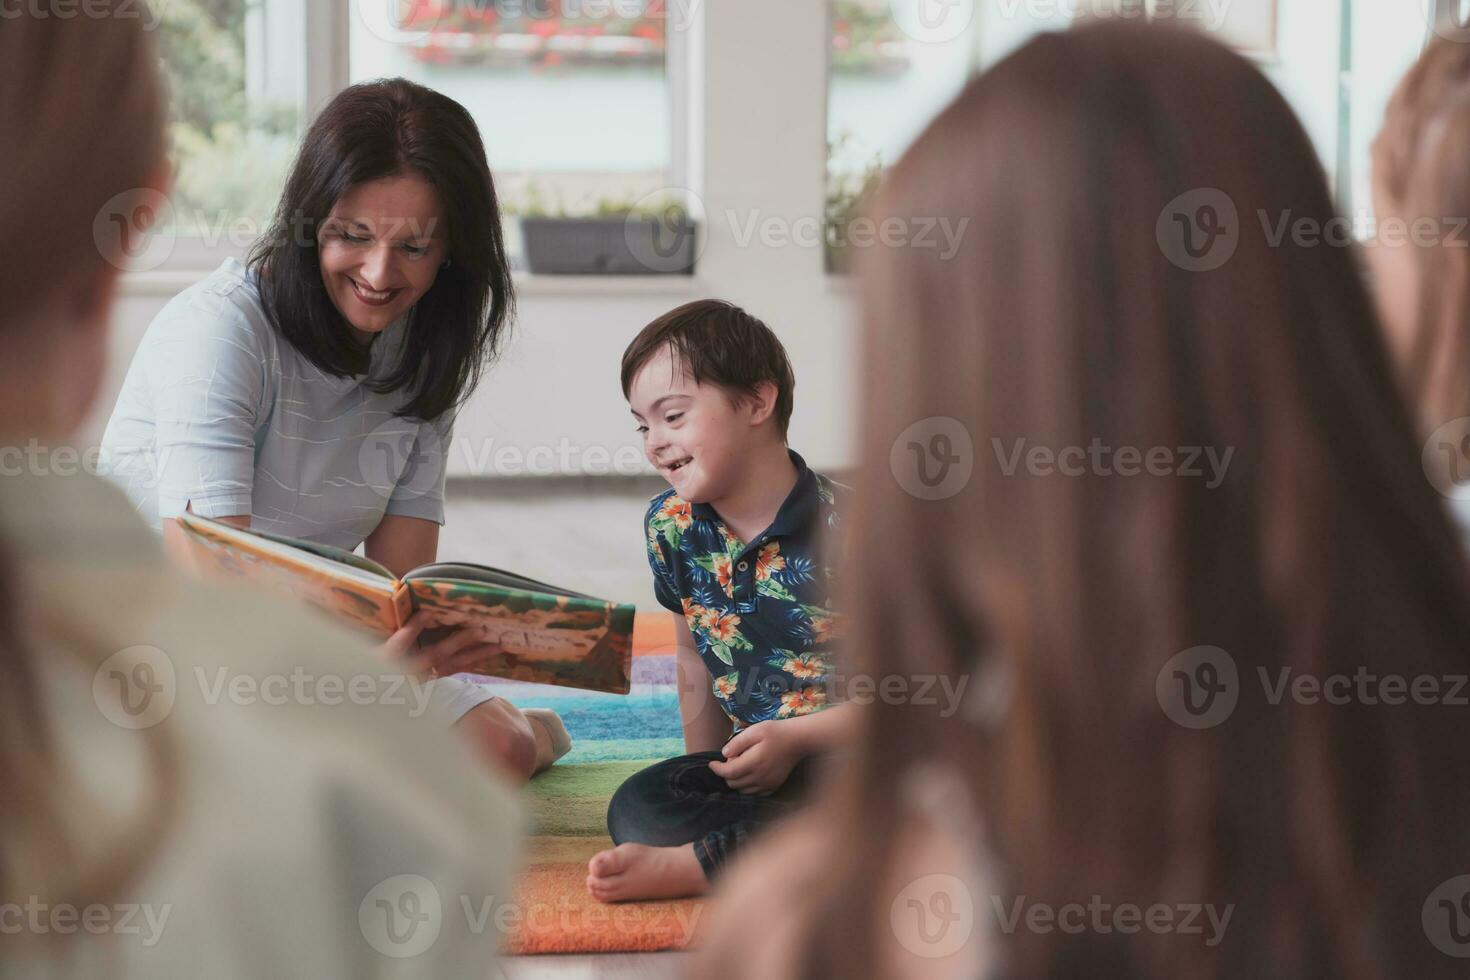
{"points": [[769, 560], [802, 702], [725, 574], [677, 511], [724, 627]]}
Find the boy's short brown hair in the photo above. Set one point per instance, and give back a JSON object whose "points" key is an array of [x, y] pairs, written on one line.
{"points": [[718, 343]]}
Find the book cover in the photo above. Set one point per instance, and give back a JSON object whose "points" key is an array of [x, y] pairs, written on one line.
{"points": [[546, 635]]}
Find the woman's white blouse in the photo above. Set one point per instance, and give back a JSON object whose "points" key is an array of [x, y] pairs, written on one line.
{"points": [[220, 412]]}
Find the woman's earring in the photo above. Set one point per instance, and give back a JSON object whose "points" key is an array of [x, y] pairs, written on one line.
{"points": [[446, 263]]}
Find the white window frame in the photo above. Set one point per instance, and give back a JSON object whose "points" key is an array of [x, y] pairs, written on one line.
{"points": [[326, 30], [723, 116]]}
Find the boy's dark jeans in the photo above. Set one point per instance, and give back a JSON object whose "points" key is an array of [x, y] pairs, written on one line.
{"points": [[682, 801]]}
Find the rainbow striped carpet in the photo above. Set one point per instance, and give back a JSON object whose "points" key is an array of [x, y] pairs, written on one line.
{"points": [[613, 736]]}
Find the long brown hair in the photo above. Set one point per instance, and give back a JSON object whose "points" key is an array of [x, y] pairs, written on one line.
{"points": [[82, 118], [1072, 317], [369, 131], [1421, 162]]}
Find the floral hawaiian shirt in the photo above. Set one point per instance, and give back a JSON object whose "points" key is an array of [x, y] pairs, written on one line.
{"points": [[761, 613]]}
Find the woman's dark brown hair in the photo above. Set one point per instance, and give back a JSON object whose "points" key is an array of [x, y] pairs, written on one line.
{"points": [[1072, 316], [82, 116], [368, 132]]}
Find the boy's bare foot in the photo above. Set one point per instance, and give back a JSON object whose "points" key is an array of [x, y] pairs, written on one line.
{"points": [[630, 872]]}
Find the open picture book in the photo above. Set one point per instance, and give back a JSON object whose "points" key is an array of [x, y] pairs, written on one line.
{"points": [[547, 635]]}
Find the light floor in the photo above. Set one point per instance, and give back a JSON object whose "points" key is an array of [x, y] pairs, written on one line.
{"points": [[582, 533]]}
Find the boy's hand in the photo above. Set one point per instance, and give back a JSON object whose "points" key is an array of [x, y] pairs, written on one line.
{"points": [[760, 759]]}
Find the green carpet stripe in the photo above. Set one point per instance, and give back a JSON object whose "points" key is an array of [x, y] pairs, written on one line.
{"points": [[569, 816], [587, 779]]}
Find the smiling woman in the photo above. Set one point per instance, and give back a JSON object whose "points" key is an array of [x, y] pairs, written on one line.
{"points": [[312, 392], [381, 284], [364, 238]]}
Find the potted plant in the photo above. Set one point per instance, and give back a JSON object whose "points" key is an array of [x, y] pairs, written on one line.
{"points": [[618, 238]]}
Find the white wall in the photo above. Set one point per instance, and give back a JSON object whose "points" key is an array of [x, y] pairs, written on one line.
{"points": [[556, 384], [758, 154], [761, 137]]}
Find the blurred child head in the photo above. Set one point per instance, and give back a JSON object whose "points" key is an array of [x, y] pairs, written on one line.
{"points": [[83, 166], [1088, 610], [83, 117], [711, 388], [1421, 258]]}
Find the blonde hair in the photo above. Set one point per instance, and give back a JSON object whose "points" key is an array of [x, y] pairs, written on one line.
{"points": [[82, 117], [1421, 163]]}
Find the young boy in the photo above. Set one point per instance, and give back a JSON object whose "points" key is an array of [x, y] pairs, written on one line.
{"points": [[734, 549]]}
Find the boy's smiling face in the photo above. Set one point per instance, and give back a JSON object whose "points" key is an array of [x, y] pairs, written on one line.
{"points": [[692, 433]]}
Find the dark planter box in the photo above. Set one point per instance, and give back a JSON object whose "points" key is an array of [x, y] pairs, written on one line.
{"points": [[608, 246]]}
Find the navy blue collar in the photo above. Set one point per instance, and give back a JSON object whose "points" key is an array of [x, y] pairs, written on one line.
{"points": [[797, 510]]}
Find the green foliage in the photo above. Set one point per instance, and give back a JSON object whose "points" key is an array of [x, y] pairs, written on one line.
{"points": [[847, 195], [861, 29], [228, 153], [225, 175], [532, 203], [203, 48]]}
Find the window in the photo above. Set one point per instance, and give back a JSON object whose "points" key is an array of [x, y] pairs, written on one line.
{"points": [[572, 97], [894, 65], [896, 62], [1383, 41], [234, 73]]}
